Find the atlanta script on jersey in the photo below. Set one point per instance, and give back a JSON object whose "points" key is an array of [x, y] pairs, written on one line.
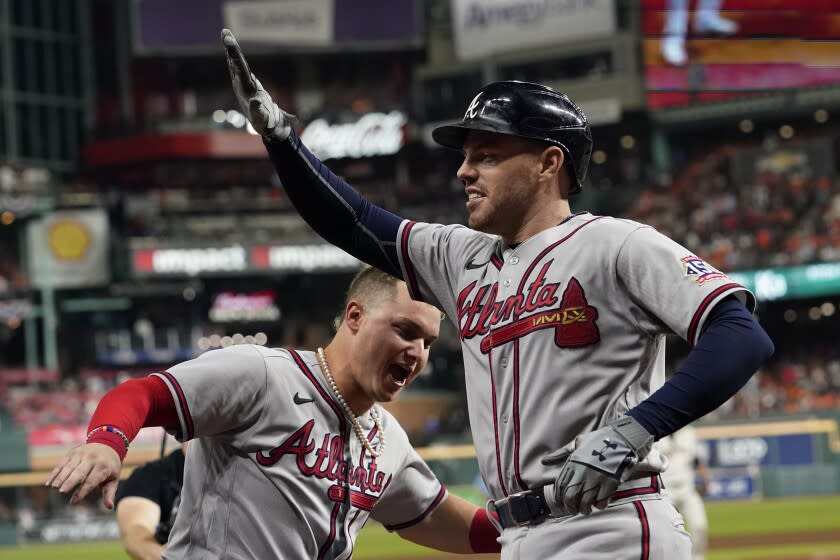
{"points": [[563, 333], [275, 470]]}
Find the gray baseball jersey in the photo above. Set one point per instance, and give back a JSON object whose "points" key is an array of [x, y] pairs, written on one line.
{"points": [[561, 334], [276, 470]]}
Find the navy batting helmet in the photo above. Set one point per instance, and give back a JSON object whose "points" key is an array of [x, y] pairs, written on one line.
{"points": [[526, 110]]}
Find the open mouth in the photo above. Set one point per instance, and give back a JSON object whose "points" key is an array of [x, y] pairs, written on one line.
{"points": [[399, 374], [474, 199]]}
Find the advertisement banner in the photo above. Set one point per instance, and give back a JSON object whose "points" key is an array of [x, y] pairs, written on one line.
{"points": [[486, 27], [237, 259], [281, 22], [69, 249]]}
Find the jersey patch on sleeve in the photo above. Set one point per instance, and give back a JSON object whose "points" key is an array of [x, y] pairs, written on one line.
{"points": [[699, 270]]}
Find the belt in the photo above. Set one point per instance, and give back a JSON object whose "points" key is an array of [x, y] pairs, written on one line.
{"points": [[530, 508], [523, 508]]}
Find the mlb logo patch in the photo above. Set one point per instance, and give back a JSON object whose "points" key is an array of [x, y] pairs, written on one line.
{"points": [[699, 270]]}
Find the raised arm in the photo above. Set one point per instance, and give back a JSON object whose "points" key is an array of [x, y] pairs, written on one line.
{"points": [[132, 405], [328, 204]]}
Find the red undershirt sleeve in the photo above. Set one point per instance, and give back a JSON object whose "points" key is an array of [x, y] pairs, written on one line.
{"points": [[134, 404]]}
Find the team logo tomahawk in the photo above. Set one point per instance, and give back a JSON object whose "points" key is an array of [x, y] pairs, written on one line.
{"points": [[600, 453]]}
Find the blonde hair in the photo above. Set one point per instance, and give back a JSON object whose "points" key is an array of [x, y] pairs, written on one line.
{"points": [[370, 286]]}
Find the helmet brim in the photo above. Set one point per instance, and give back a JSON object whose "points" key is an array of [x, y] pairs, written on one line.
{"points": [[454, 135]]}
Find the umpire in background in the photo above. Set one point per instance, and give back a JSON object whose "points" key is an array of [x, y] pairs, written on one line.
{"points": [[146, 504]]}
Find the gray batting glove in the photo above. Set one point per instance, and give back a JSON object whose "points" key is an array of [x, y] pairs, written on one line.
{"points": [[266, 117], [600, 461]]}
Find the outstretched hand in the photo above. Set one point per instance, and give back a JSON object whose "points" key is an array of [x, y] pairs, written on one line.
{"points": [[85, 468], [254, 101]]}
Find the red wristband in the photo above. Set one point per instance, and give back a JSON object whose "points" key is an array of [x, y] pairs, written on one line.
{"points": [[483, 534], [112, 440]]}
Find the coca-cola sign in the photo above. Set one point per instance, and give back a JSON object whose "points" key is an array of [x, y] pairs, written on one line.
{"points": [[375, 134]]}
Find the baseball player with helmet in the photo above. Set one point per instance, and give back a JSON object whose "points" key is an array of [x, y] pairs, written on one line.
{"points": [[289, 456], [562, 319]]}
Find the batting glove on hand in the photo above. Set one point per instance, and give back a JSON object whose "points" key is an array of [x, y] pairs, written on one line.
{"points": [[266, 117], [598, 463]]}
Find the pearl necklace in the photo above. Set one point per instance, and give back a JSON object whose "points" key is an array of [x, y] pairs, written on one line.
{"points": [[360, 433]]}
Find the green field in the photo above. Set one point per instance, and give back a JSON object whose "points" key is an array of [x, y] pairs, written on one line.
{"points": [[769, 517]]}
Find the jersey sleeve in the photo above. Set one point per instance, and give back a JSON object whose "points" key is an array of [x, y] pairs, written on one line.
{"points": [[220, 393], [675, 286], [412, 494], [432, 257]]}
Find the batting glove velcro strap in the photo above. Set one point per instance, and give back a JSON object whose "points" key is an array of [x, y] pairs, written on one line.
{"points": [[599, 462], [269, 120]]}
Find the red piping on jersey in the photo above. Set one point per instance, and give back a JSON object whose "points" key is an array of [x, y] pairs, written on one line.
{"points": [[309, 375], [423, 515], [516, 364], [342, 422], [496, 425], [497, 262], [652, 489], [370, 437], [411, 281], [550, 248], [640, 509], [182, 402], [516, 472], [695, 320], [328, 543]]}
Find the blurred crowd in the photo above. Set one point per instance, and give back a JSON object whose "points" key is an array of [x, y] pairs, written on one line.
{"points": [[779, 215]]}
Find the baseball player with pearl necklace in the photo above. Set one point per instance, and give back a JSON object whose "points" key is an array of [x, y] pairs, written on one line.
{"points": [[289, 456], [562, 318]]}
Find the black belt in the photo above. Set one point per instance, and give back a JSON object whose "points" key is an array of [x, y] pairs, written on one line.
{"points": [[523, 508], [530, 508]]}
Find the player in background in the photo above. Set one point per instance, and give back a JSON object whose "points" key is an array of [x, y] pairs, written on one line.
{"points": [[687, 479], [288, 455], [146, 504], [562, 318]]}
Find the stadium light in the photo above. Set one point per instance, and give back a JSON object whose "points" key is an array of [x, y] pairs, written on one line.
{"points": [[746, 126]]}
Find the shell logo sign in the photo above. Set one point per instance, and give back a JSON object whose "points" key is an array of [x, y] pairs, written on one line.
{"points": [[69, 240]]}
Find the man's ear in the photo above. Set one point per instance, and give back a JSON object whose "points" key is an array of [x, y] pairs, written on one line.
{"points": [[551, 160], [353, 314]]}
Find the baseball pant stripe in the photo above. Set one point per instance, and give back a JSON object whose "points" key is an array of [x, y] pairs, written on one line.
{"points": [[640, 509]]}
